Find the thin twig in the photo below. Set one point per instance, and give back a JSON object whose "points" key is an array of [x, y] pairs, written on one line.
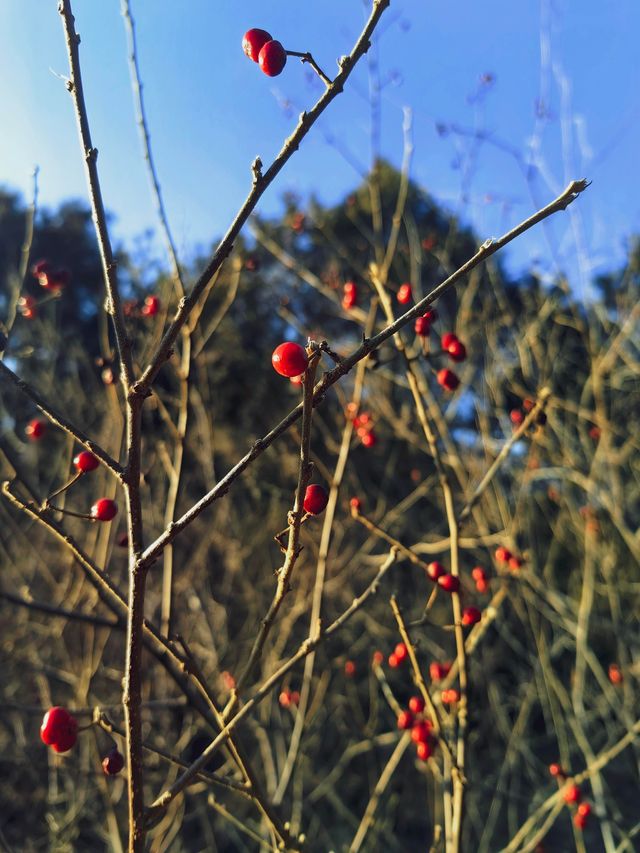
{"points": [[60, 421]]}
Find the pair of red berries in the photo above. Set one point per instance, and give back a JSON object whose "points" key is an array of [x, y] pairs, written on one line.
{"points": [[504, 555], [453, 347], [398, 656], [350, 296], [405, 294], [27, 307], [288, 698], [480, 577], [423, 324], [438, 671], [266, 51]]}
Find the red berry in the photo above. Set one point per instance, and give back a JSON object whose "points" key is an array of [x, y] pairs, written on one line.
{"points": [[104, 509], [615, 674], [449, 583], [401, 652], [355, 504], [393, 661], [457, 351], [377, 658], [482, 586], [253, 41], [272, 58], [584, 809], [503, 555], [424, 750], [471, 615], [447, 339], [151, 306], [421, 732], [572, 794], [422, 327], [315, 499], [113, 763], [350, 287], [515, 563], [580, 820], [431, 315], [369, 439], [448, 379], [85, 462], [348, 301], [289, 359], [517, 416], [35, 429], [252, 263], [556, 770], [349, 669], [416, 704], [435, 570], [405, 720], [59, 729], [295, 697], [404, 294], [595, 433]]}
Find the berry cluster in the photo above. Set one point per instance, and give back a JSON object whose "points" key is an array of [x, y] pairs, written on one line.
{"points": [[363, 424], [149, 308], [421, 728], [289, 698], [266, 51]]}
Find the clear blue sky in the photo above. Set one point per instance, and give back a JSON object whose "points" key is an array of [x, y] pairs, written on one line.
{"points": [[211, 111]]}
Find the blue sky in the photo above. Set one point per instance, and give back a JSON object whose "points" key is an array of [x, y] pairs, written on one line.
{"points": [[211, 111]]}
